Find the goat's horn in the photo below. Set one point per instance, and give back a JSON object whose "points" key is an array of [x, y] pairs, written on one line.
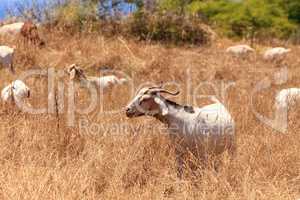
{"points": [[156, 87], [71, 66], [161, 90]]}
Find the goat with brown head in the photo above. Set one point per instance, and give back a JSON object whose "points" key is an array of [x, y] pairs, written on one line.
{"points": [[200, 130], [29, 32]]}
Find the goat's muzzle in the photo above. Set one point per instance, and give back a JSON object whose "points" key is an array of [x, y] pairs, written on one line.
{"points": [[129, 113]]}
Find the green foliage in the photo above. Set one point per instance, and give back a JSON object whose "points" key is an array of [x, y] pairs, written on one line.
{"points": [[181, 20], [176, 6], [168, 27], [248, 18], [293, 9], [76, 15]]}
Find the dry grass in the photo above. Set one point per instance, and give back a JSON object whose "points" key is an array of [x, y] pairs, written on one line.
{"points": [[40, 160]]}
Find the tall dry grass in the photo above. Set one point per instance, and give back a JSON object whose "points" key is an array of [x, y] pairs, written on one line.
{"points": [[41, 160]]}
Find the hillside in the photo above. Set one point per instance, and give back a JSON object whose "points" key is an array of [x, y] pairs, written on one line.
{"points": [[107, 156]]}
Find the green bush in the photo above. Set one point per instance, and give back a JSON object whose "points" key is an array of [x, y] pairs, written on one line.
{"points": [[248, 18], [76, 15], [181, 21], [168, 27], [293, 10]]}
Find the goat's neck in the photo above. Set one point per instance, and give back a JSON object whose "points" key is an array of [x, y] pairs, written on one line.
{"points": [[176, 113]]}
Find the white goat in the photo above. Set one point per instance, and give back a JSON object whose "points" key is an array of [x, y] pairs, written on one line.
{"points": [[240, 50], [77, 74], [277, 53], [286, 98], [201, 130], [11, 29], [6, 57], [15, 93]]}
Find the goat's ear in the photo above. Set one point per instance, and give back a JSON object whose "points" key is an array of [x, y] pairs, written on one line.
{"points": [[162, 105]]}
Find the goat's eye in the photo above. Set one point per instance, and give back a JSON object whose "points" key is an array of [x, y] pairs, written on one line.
{"points": [[140, 102]]}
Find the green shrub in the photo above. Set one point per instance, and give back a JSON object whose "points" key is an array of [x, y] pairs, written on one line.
{"points": [[76, 15], [168, 27], [248, 18], [293, 10]]}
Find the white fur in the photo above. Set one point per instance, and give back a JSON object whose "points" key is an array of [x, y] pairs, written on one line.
{"points": [[287, 97], [101, 82], [15, 92], [210, 127], [11, 29], [239, 50], [275, 53], [106, 81]]}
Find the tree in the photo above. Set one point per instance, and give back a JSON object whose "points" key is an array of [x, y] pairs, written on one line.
{"points": [[293, 9], [247, 18]]}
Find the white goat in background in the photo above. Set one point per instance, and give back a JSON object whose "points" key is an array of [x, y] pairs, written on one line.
{"points": [[77, 74], [6, 57], [11, 29], [287, 98], [278, 53], [240, 50], [15, 93], [201, 130], [284, 100]]}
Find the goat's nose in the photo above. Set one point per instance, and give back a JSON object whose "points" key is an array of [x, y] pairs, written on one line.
{"points": [[129, 112]]}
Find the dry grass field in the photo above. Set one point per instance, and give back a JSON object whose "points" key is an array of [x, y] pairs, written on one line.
{"points": [[113, 157]]}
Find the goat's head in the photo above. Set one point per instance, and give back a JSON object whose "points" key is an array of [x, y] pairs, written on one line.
{"points": [[149, 101], [75, 72], [21, 89]]}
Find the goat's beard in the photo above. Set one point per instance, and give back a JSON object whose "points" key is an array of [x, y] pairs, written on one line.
{"points": [[132, 115]]}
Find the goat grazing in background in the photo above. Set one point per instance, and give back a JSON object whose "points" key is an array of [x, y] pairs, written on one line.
{"points": [[201, 130], [287, 98], [15, 93], [277, 54], [104, 82], [11, 29], [284, 101], [240, 50], [29, 32]]}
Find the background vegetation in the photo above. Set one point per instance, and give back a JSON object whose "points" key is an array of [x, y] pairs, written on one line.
{"points": [[178, 21]]}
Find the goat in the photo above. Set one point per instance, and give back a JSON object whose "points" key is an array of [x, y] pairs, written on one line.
{"points": [[240, 50], [277, 53], [6, 57], [11, 29], [201, 130], [286, 98], [283, 101], [77, 74], [29, 32], [15, 93]]}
